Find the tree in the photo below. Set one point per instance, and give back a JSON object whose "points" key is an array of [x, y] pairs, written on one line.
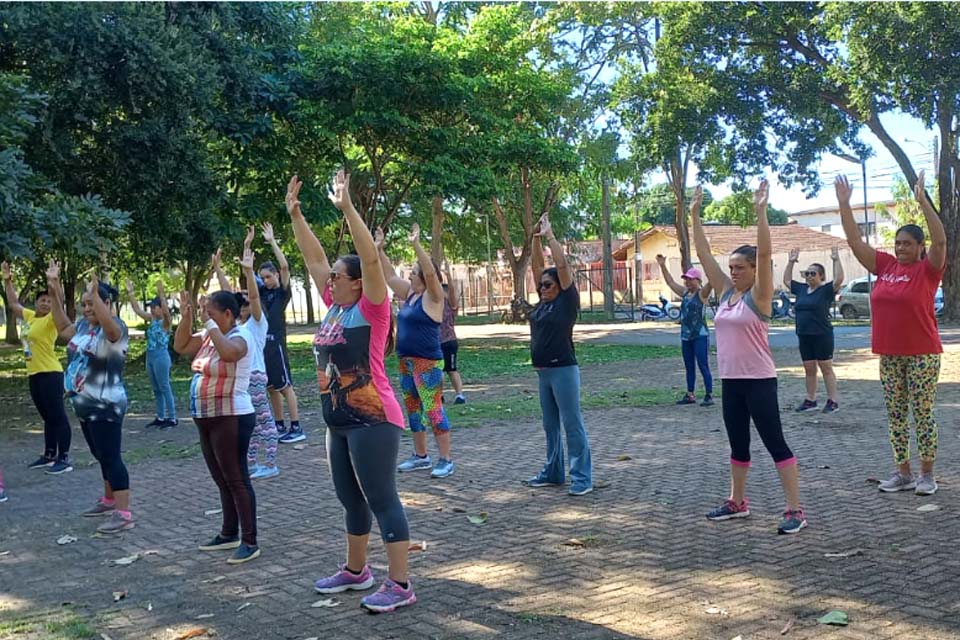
{"points": [[737, 208]]}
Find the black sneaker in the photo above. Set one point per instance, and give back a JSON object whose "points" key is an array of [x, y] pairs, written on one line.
{"points": [[293, 435], [707, 401], [156, 422], [244, 553], [59, 467], [41, 462], [687, 400], [808, 405], [167, 424], [220, 543], [831, 407]]}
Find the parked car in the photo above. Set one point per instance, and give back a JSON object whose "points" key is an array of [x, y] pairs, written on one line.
{"points": [[853, 299]]}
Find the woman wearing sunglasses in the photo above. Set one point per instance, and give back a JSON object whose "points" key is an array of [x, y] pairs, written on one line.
{"points": [[551, 350], [814, 329]]}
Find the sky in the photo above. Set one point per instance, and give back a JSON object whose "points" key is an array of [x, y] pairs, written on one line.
{"points": [[915, 140]]}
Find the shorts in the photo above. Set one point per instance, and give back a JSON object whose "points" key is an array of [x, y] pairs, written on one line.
{"points": [[278, 365], [816, 347], [449, 355]]}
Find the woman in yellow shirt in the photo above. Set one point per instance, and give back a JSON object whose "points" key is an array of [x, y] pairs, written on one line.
{"points": [[38, 334]]}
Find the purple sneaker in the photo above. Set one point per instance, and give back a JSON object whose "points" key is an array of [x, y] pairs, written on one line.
{"points": [[389, 597], [343, 580]]}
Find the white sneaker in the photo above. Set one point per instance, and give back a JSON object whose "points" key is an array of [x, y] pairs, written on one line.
{"points": [[898, 482], [926, 485]]}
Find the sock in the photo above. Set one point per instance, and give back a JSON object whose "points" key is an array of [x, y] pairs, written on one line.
{"points": [[422, 457], [126, 515], [403, 585], [108, 502], [279, 424], [295, 425], [351, 571]]}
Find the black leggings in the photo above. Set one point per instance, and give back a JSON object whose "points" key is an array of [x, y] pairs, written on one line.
{"points": [[104, 441], [363, 463], [46, 390], [757, 399], [224, 441]]}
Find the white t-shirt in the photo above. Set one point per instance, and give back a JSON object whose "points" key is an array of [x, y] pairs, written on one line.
{"points": [[258, 330]]}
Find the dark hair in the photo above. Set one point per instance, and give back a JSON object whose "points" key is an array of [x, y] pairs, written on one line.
{"points": [[41, 291], [819, 268], [107, 293], [749, 252], [269, 266], [436, 269], [154, 301], [553, 274], [226, 301], [353, 266], [917, 234]]}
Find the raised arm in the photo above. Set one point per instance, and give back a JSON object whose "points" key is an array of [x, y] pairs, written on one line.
{"points": [[668, 278], [937, 254], [111, 328], [374, 283], [564, 271], [314, 257], [253, 292], [278, 254], [837, 269], [453, 291], [715, 275], [763, 287], [65, 328], [788, 270], [864, 253], [433, 301], [399, 286], [13, 302], [185, 342], [537, 261], [134, 303], [218, 271]]}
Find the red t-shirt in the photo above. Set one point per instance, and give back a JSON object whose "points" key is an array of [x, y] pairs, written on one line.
{"points": [[901, 306]]}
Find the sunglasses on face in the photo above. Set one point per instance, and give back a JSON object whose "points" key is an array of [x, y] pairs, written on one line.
{"points": [[809, 274], [546, 285]]}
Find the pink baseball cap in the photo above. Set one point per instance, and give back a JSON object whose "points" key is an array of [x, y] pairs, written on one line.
{"points": [[693, 274]]}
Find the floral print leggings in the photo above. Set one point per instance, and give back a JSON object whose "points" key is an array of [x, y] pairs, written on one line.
{"points": [[265, 430], [421, 382], [911, 382]]}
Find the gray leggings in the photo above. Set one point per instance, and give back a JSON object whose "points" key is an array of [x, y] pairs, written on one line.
{"points": [[363, 463]]}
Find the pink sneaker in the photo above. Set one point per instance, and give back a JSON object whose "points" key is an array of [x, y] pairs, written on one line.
{"points": [[343, 580], [389, 597]]}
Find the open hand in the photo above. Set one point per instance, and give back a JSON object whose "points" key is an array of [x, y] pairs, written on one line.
{"points": [[251, 234], [414, 236], [267, 230], [246, 262], [843, 189], [697, 201], [160, 289], [661, 259], [94, 284], [546, 229], [379, 239], [292, 199], [794, 255], [186, 306], [761, 196], [340, 191], [215, 259], [53, 270], [204, 316], [919, 190], [835, 253]]}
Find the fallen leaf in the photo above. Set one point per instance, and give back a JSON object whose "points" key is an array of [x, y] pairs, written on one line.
{"points": [[244, 606], [480, 518], [325, 603], [119, 595], [844, 554], [66, 539], [601, 484], [216, 579], [4, 553], [212, 512], [787, 627], [299, 447], [624, 458], [574, 542], [149, 606], [716, 611], [837, 618], [459, 510], [192, 633], [205, 616], [126, 560], [418, 546], [929, 507]]}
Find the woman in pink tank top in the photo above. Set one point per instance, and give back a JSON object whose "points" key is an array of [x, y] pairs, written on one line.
{"points": [[747, 371]]}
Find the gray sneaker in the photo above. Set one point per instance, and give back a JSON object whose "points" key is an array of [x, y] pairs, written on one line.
{"points": [[116, 524], [898, 482], [926, 485], [415, 463], [98, 510]]}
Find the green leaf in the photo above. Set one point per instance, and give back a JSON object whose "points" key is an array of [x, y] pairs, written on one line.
{"points": [[480, 518], [836, 618]]}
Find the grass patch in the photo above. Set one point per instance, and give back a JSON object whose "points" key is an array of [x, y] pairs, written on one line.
{"points": [[165, 451], [54, 625]]}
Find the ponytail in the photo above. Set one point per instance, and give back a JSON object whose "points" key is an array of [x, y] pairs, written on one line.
{"points": [[391, 338]]}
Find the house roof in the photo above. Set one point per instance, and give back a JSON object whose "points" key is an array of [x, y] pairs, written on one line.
{"points": [[889, 204], [724, 238]]}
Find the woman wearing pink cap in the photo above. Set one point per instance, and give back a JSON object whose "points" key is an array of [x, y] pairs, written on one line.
{"points": [[694, 334]]}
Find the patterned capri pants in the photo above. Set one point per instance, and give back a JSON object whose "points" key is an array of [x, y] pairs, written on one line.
{"points": [[421, 382], [265, 430], [910, 382]]}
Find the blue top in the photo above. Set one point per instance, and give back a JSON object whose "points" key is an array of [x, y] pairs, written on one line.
{"points": [[157, 337], [418, 335], [693, 322], [813, 308]]}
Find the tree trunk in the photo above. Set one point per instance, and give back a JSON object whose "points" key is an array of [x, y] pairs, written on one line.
{"points": [[677, 175], [436, 240], [308, 288], [949, 165]]}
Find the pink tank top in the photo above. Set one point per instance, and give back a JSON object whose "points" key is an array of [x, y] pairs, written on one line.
{"points": [[743, 349]]}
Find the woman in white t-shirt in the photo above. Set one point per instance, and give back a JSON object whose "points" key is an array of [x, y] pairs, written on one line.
{"points": [[222, 409]]}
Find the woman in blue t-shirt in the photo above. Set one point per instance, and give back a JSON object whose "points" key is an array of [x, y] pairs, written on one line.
{"points": [[814, 329], [158, 355]]}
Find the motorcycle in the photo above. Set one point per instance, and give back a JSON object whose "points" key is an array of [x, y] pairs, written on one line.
{"points": [[664, 311], [783, 307], [519, 311]]}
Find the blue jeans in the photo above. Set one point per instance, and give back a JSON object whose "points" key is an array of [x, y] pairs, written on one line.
{"points": [[560, 403], [697, 350], [158, 367]]}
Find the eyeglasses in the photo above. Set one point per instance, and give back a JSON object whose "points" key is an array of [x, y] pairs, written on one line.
{"points": [[809, 274], [334, 276]]}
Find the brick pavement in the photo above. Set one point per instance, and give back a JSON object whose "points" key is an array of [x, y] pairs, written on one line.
{"points": [[651, 565]]}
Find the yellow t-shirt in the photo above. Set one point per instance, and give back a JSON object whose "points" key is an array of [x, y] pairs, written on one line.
{"points": [[39, 335]]}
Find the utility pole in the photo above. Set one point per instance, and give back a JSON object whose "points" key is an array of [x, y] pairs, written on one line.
{"points": [[489, 270], [607, 252]]}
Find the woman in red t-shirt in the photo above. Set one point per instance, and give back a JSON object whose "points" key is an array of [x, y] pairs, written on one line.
{"points": [[905, 332]]}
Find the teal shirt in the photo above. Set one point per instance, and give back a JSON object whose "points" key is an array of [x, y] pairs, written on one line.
{"points": [[157, 337]]}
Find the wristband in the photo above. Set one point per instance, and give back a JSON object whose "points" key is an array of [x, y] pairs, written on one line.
{"points": [[211, 325]]}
